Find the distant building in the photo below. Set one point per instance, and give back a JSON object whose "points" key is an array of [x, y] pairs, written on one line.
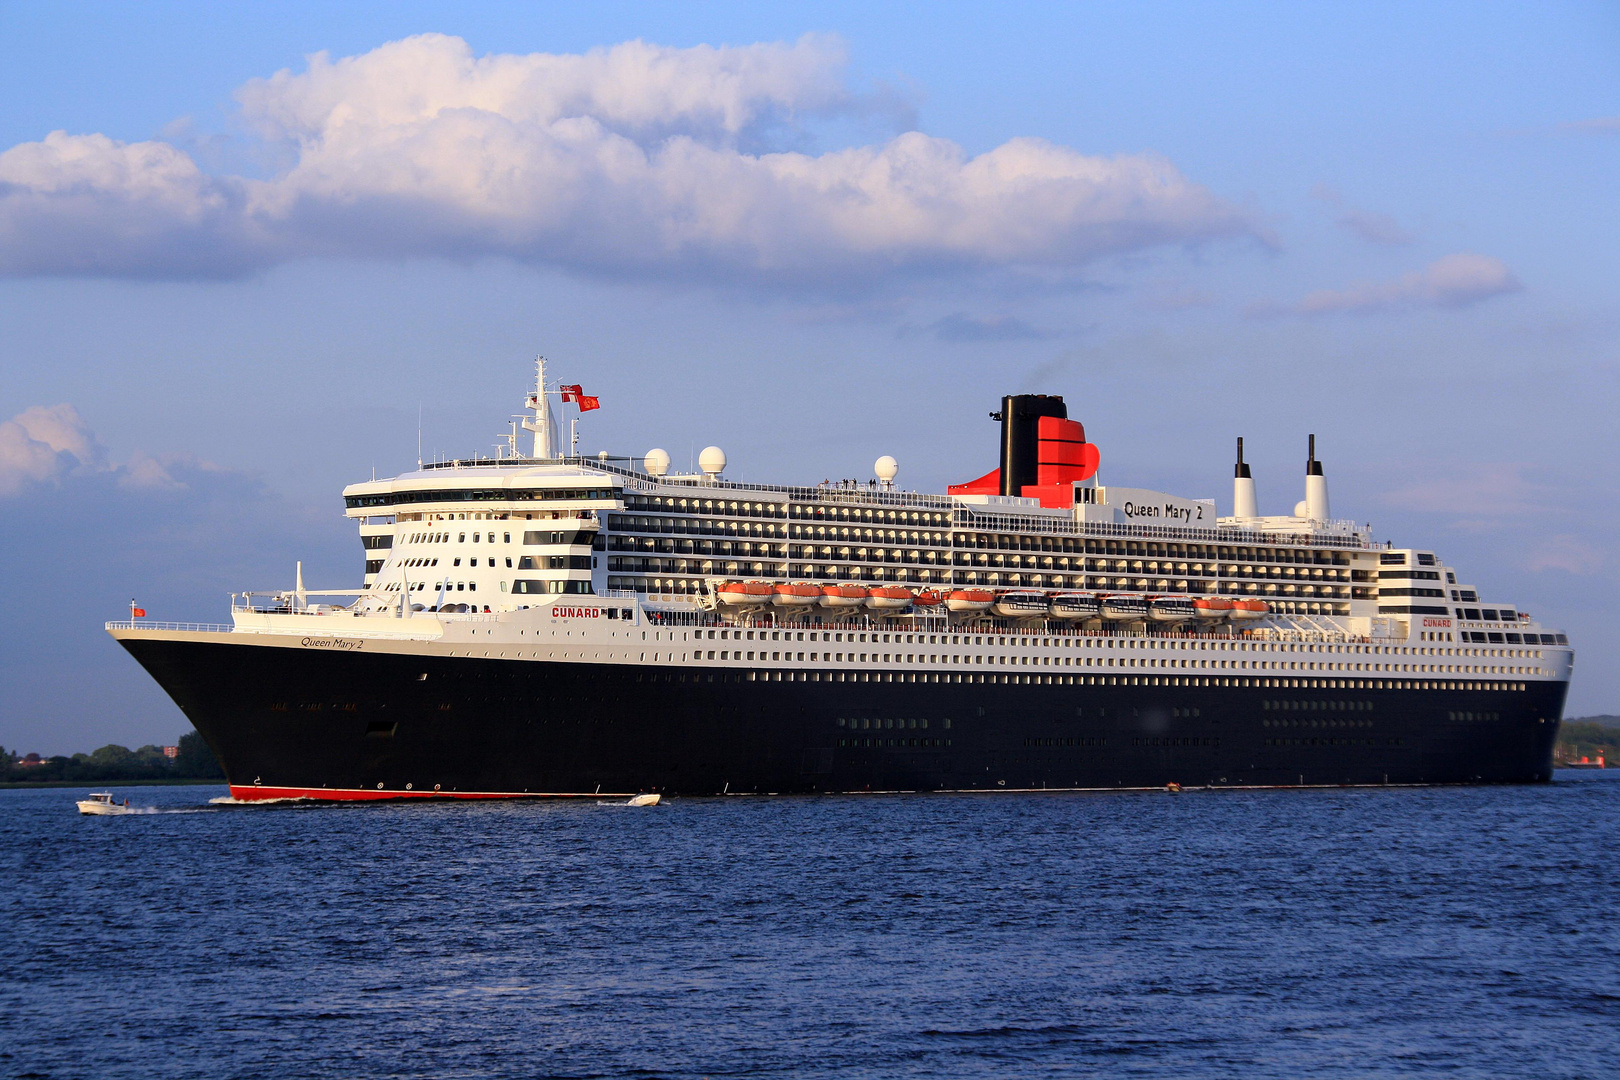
{"points": [[171, 752], [30, 759]]}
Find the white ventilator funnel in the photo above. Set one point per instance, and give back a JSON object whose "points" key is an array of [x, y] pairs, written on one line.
{"points": [[1316, 492], [1244, 503]]}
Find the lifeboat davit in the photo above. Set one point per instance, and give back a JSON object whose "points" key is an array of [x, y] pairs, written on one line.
{"points": [[843, 596], [1075, 606], [1171, 609], [888, 598], [1020, 605], [800, 594], [1212, 607], [928, 600], [970, 601], [744, 593], [1124, 608], [1249, 609]]}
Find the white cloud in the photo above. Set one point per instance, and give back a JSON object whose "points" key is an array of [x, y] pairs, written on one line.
{"points": [[1570, 554], [44, 444], [1375, 228], [1602, 125], [964, 328], [48, 444], [1474, 489], [635, 159], [87, 204], [145, 471], [636, 88], [1451, 282]]}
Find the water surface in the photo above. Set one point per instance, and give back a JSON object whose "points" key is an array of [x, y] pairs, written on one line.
{"points": [[1382, 932]]}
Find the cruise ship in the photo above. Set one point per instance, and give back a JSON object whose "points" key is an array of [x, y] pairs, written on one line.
{"points": [[550, 624]]}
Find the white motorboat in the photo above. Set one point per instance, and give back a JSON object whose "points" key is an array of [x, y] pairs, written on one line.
{"points": [[101, 802], [643, 800]]}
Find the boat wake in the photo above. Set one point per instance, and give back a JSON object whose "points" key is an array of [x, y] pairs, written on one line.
{"points": [[229, 800]]}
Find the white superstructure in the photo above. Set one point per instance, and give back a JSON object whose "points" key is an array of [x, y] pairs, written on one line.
{"points": [[492, 550]]}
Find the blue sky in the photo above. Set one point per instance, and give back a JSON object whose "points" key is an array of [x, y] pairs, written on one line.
{"points": [[812, 234]]}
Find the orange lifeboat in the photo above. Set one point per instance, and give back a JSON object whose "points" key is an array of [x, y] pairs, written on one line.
{"points": [[928, 600], [1211, 607], [1249, 609], [799, 594], [970, 601], [889, 598], [744, 593], [843, 597]]}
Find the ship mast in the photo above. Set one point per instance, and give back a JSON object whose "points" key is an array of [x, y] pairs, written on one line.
{"points": [[545, 431]]}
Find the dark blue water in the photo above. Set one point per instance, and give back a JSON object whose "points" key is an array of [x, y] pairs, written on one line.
{"points": [[1457, 932]]}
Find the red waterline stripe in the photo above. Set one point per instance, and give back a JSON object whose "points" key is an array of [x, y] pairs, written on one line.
{"points": [[259, 792]]}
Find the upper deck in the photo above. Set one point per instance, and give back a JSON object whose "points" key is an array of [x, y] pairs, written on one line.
{"points": [[509, 483]]}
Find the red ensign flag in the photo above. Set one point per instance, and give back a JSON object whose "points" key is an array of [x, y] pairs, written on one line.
{"points": [[586, 404], [569, 393], [137, 613]]}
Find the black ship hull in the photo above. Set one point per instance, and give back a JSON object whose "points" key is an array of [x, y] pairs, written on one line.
{"points": [[301, 723]]}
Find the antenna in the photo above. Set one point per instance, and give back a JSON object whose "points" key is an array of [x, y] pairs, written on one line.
{"points": [[545, 435], [418, 436]]}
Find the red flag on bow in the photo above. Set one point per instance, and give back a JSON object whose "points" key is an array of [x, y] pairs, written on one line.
{"points": [[136, 612], [569, 393], [586, 404]]}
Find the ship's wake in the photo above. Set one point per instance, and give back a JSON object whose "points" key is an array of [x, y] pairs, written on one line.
{"points": [[231, 800]]}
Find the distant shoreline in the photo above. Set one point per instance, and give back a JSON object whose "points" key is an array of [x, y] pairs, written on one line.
{"points": [[174, 782]]}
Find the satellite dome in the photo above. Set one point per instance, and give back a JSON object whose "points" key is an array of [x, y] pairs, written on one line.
{"points": [[657, 462], [886, 468], [712, 461], [1302, 509]]}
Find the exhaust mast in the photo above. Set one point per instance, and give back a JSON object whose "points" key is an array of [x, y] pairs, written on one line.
{"points": [[1244, 502]]}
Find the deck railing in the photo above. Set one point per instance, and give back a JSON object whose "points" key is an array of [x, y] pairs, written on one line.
{"points": [[189, 627]]}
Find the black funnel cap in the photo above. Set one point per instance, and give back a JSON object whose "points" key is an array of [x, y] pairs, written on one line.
{"points": [[1020, 437]]}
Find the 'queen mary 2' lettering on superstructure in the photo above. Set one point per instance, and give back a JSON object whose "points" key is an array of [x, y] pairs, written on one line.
{"points": [[558, 625]]}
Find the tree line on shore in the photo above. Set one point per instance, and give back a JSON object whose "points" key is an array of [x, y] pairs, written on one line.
{"points": [[1589, 737], [193, 761]]}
